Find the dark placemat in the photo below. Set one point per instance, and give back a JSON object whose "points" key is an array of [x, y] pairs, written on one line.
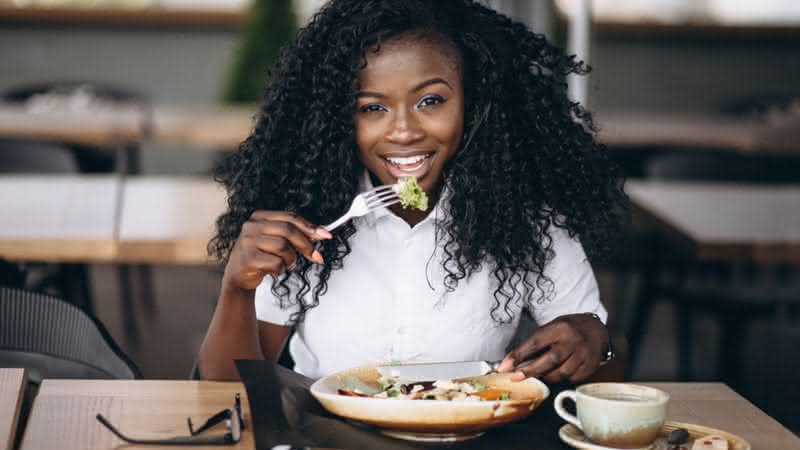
{"points": [[283, 411]]}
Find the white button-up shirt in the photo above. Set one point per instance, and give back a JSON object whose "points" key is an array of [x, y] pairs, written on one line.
{"points": [[388, 301]]}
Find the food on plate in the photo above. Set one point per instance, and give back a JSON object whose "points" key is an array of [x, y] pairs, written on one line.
{"points": [[411, 194], [448, 390], [711, 442]]}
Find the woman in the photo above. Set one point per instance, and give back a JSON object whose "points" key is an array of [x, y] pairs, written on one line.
{"points": [[474, 106]]}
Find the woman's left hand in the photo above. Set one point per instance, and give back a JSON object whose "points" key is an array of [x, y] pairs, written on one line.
{"points": [[569, 348]]}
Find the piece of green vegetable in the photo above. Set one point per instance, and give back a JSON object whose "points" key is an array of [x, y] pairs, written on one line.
{"points": [[478, 387], [411, 194], [505, 397]]}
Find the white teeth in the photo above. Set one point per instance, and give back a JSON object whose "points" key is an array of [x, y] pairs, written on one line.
{"points": [[408, 160]]}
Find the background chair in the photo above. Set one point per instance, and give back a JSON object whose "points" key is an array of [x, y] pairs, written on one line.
{"points": [[54, 339], [734, 294], [51, 338]]}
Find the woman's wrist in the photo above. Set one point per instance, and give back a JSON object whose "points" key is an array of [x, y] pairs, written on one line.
{"points": [[232, 292], [607, 347]]}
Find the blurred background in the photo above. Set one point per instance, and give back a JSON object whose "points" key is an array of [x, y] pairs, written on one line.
{"points": [[113, 114]]}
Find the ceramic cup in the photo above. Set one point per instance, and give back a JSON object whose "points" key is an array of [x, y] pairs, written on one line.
{"points": [[618, 415]]}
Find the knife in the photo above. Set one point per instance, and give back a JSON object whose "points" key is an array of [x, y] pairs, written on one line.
{"points": [[438, 371]]}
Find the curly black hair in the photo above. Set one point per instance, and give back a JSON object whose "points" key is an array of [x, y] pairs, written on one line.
{"points": [[527, 160]]}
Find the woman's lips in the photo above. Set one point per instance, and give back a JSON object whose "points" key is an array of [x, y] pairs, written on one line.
{"points": [[404, 167]]}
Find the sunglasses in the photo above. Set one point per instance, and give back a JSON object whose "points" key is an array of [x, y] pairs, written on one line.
{"points": [[234, 424]]}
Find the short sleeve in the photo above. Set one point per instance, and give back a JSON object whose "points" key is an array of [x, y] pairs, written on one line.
{"points": [[268, 308], [574, 287]]}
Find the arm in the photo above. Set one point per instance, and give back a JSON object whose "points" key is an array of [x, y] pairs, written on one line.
{"points": [[570, 344], [268, 244], [235, 333]]}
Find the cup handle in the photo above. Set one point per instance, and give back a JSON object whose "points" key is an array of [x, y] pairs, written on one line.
{"points": [[558, 404]]}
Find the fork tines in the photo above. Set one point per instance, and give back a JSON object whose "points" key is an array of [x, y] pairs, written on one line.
{"points": [[381, 196]]}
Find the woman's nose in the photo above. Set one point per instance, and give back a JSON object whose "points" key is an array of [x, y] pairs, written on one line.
{"points": [[405, 130]]}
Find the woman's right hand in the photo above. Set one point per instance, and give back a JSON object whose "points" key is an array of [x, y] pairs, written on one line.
{"points": [[269, 243]]}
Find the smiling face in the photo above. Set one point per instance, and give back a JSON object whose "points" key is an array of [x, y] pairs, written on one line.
{"points": [[410, 112]]}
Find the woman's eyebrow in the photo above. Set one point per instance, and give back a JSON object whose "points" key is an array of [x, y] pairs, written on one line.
{"points": [[417, 88], [370, 94], [430, 82]]}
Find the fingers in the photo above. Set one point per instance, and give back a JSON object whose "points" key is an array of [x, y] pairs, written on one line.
{"points": [[296, 234], [310, 230], [267, 263], [586, 370], [284, 237], [541, 339], [566, 371], [545, 363], [280, 247]]}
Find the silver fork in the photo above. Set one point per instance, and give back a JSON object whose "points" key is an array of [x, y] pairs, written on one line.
{"points": [[366, 202]]}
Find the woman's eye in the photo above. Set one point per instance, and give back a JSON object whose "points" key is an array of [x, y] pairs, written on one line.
{"points": [[430, 100], [372, 108]]}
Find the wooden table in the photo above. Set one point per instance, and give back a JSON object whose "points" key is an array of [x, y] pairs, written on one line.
{"points": [[108, 219], [724, 222], [168, 220], [743, 135], [63, 413], [718, 406], [200, 127], [58, 218], [106, 127], [12, 384]]}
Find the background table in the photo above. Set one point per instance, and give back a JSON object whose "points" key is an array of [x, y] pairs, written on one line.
{"points": [[106, 127], [733, 134], [12, 382], [63, 412], [58, 218], [168, 220], [102, 219], [201, 127], [724, 222]]}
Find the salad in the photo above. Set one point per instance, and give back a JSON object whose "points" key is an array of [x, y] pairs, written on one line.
{"points": [[432, 390], [411, 194]]}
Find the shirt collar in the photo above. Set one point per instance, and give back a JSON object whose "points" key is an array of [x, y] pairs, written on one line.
{"points": [[365, 184]]}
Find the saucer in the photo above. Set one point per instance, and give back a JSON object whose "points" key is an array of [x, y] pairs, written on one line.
{"points": [[574, 437]]}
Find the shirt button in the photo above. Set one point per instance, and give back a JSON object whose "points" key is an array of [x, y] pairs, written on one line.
{"points": [[401, 331]]}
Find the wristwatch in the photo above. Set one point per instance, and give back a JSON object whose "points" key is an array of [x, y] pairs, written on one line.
{"points": [[609, 354]]}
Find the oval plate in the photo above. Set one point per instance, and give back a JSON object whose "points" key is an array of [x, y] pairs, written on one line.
{"points": [[429, 421]]}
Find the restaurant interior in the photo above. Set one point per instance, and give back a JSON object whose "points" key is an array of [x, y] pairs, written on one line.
{"points": [[114, 113]]}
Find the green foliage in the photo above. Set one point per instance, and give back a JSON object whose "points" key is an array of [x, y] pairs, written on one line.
{"points": [[269, 25]]}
